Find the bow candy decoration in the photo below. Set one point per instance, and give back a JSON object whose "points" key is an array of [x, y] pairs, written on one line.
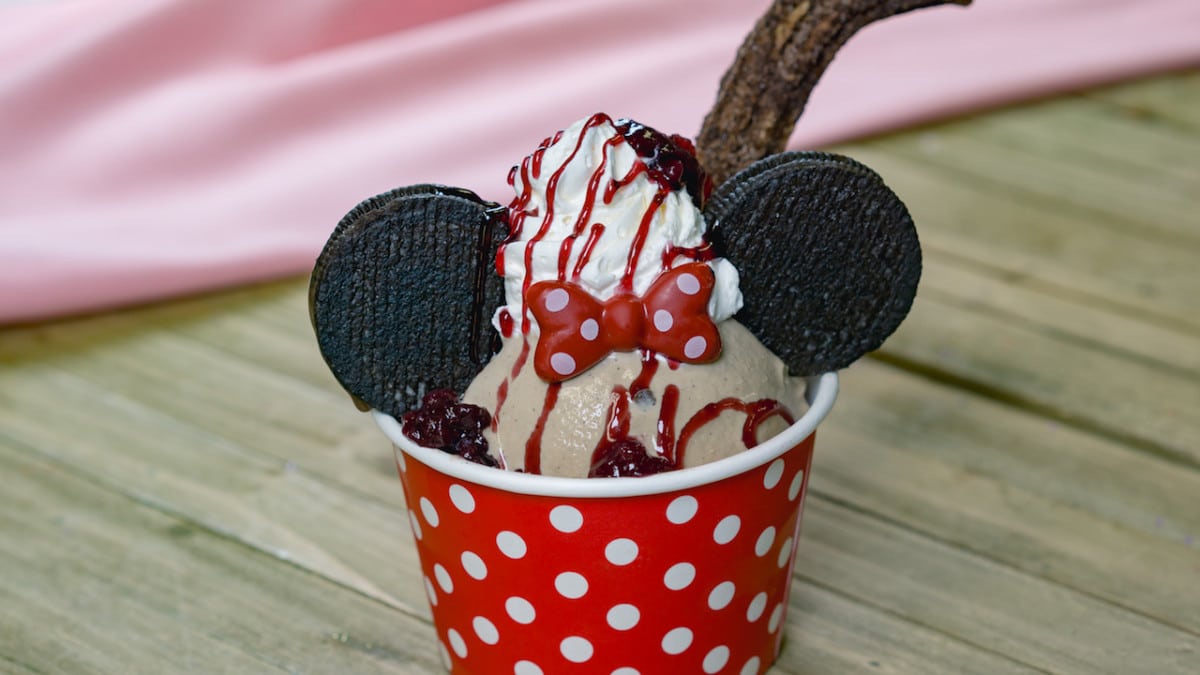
{"points": [[577, 330]]}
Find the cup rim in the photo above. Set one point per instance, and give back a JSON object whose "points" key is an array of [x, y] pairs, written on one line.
{"points": [[821, 392]]}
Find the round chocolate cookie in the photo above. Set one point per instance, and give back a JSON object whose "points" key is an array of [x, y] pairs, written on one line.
{"points": [[828, 256], [401, 295]]}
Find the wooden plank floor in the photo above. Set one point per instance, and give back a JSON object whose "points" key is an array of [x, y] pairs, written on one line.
{"points": [[1012, 485]]}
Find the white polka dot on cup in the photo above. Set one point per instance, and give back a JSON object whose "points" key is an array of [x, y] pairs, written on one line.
{"points": [[462, 498], [485, 630], [571, 585], [679, 576], [430, 513], [694, 347], [763, 545], [576, 649], [432, 594], [626, 670], [527, 668], [715, 659], [511, 545], [416, 526], [785, 553], [752, 666], [727, 529], [773, 474], [677, 640], [623, 616], [756, 607], [520, 610], [457, 643], [794, 488], [474, 565], [682, 509], [621, 552], [776, 617], [566, 519], [721, 595], [443, 578]]}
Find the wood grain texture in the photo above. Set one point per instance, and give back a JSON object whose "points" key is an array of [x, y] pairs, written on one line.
{"points": [[97, 582], [1011, 485]]}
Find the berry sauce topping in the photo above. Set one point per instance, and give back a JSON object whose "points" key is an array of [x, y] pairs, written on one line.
{"points": [[444, 423], [626, 457], [670, 160]]}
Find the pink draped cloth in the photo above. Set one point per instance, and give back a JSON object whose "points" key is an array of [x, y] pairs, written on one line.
{"points": [[150, 148]]}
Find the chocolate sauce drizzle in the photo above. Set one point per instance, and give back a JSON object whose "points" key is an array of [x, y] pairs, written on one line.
{"points": [[483, 248], [533, 446]]}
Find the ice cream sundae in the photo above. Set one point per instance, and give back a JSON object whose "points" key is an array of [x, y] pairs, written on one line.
{"points": [[641, 337], [619, 355]]}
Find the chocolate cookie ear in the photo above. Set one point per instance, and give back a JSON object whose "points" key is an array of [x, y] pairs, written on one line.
{"points": [[400, 298], [828, 256]]}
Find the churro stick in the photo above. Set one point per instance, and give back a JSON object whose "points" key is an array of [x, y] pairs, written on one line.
{"points": [[763, 93]]}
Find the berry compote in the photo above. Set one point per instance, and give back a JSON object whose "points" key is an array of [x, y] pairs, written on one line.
{"points": [[626, 457], [670, 160], [445, 423]]}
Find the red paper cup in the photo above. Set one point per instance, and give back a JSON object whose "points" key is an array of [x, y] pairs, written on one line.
{"points": [[682, 572]]}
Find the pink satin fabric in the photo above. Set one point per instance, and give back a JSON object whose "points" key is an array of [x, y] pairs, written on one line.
{"points": [[155, 147]]}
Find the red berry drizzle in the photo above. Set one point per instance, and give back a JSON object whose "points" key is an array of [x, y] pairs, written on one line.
{"points": [[531, 167], [670, 162], [756, 413], [664, 440], [533, 445], [445, 423], [626, 457], [619, 454], [502, 390], [649, 367]]}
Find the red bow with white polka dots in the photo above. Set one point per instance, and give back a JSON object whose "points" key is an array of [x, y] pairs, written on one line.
{"points": [[577, 330]]}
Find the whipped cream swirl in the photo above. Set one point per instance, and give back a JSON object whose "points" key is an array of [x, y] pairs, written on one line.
{"points": [[589, 210]]}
